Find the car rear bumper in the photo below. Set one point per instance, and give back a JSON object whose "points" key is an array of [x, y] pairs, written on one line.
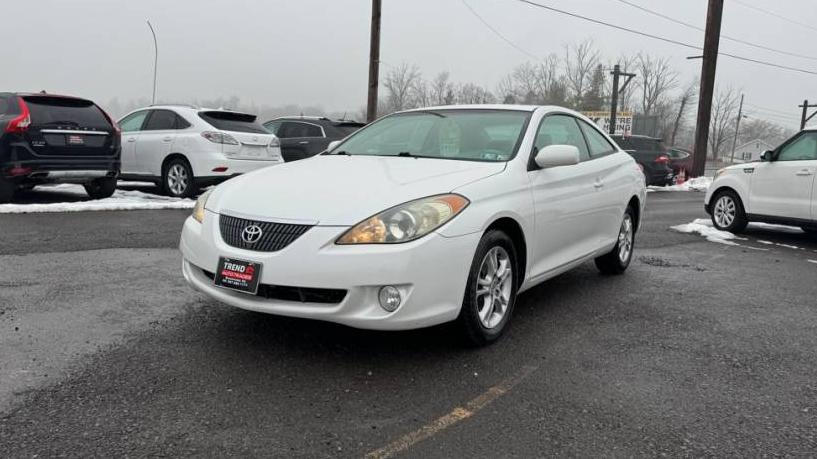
{"points": [[430, 274], [63, 170]]}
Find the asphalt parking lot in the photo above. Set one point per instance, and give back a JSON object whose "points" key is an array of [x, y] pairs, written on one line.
{"points": [[700, 349]]}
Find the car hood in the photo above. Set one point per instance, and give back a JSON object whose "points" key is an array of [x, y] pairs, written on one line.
{"points": [[332, 190]]}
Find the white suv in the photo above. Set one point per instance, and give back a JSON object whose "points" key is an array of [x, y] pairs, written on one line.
{"points": [[182, 148], [779, 189]]}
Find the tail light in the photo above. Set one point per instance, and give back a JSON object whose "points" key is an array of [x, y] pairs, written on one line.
{"points": [[116, 127], [274, 143], [663, 159], [219, 137], [21, 122]]}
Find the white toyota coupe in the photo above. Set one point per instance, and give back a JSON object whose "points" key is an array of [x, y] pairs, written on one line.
{"points": [[423, 217]]}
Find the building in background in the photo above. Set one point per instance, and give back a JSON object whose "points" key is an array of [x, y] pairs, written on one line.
{"points": [[751, 151]]}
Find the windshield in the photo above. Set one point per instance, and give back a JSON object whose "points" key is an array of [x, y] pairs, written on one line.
{"points": [[470, 135]]}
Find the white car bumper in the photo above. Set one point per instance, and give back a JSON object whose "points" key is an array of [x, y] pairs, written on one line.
{"points": [[430, 274]]}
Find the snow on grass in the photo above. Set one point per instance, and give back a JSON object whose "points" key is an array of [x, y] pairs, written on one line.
{"points": [[121, 200], [704, 227], [694, 184]]}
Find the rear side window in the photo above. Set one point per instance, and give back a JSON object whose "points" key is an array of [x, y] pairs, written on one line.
{"points": [[598, 145], [160, 120], [273, 126], [68, 111], [232, 121]]}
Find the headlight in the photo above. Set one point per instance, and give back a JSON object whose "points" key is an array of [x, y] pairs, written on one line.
{"points": [[406, 222], [198, 209]]}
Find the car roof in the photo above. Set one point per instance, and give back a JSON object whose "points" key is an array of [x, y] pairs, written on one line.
{"points": [[43, 94], [506, 107]]}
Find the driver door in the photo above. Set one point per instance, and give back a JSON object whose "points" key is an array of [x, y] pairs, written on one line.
{"points": [[783, 187], [565, 209]]}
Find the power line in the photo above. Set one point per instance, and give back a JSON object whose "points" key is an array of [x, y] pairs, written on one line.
{"points": [[772, 110], [725, 37], [664, 39], [499, 34], [772, 13]]}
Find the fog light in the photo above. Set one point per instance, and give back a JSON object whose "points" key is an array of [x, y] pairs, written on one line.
{"points": [[389, 298]]}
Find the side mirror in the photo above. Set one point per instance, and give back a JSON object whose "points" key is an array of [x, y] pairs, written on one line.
{"points": [[767, 155], [332, 145], [556, 156]]}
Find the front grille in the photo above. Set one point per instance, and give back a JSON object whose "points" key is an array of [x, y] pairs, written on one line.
{"points": [[274, 236], [300, 294]]}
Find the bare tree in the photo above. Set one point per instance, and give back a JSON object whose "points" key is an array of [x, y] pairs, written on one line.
{"points": [[722, 127], [580, 61], [758, 128], [684, 101], [400, 82], [470, 93], [655, 80], [440, 88]]}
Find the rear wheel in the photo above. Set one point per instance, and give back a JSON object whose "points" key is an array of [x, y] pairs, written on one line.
{"points": [[7, 190], [727, 212], [490, 293], [177, 179], [101, 188], [617, 260]]}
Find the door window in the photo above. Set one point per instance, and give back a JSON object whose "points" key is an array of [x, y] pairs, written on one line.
{"points": [[803, 148], [133, 122], [292, 129], [598, 145], [160, 120], [561, 130]]}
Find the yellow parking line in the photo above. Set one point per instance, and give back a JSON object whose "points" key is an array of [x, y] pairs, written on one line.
{"points": [[456, 415]]}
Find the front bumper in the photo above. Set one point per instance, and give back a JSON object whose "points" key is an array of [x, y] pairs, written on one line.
{"points": [[430, 273], [60, 170]]}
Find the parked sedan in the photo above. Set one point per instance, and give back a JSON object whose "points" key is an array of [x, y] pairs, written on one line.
{"points": [[306, 136], [422, 217], [779, 189], [183, 147], [651, 156], [47, 138]]}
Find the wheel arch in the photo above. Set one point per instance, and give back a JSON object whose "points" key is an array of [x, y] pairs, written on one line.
{"points": [[514, 230], [171, 157], [724, 188], [635, 204]]}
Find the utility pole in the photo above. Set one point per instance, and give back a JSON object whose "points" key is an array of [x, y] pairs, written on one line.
{"points": [[806, 117], [737, 129], [155, 60], [614, 96], [710, 62], [374, 62]]}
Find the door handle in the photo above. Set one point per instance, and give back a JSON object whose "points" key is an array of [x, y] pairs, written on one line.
{"points": [[804, 172], [303, 142], [598, 184], [167, 139], [131, 139]]}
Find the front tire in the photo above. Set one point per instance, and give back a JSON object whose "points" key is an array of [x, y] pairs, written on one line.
{"points": [[178, 180], [490, 293], [728, 213], [101, 188], [617, 260]]}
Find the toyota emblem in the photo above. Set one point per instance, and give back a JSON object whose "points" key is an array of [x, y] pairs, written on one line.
{"points": [[251, 234]]}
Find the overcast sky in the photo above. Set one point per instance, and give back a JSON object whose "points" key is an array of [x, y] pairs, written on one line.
{"points": [[314, 52]]}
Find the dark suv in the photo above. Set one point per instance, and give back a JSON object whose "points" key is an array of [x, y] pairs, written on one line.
{"points": [[305, 136], [45, 138], [651, 155]]}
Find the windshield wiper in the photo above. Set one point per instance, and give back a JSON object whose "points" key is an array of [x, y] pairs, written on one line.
{"points": [[341, 153], [407, 154], [432, 113]]}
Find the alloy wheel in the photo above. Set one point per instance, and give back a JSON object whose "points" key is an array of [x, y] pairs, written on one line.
{"points": [[177, 179], [494, 287], [625, 238], [725, 211]]}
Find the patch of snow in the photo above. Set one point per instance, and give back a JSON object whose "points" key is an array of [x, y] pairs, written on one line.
{"points": [[813, 261], [694, 184], [793, 247], [121, 200], [704, 227], [766, 242]]}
